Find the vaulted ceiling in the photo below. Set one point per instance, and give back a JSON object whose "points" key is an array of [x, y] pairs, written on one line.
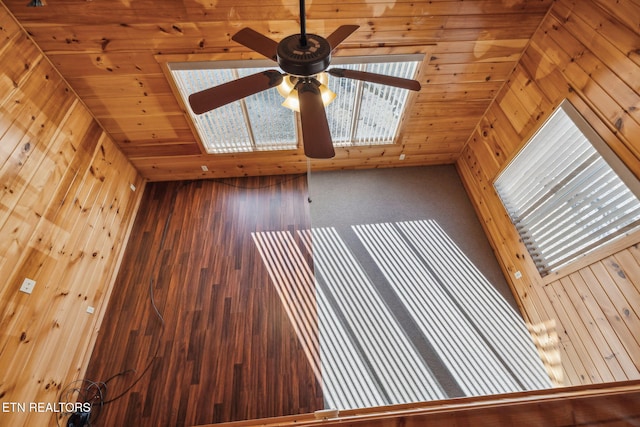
{"points": [[113, 54]]}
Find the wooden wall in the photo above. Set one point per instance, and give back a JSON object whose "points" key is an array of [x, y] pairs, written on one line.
{"points": [[594, 406], [588, 52], [66, 207], [111, 56]]}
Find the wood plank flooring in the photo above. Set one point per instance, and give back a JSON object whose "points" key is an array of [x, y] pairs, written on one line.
{"points": [[226, 350]]}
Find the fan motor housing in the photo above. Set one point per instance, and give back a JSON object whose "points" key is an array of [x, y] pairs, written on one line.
{"points": [[306, 60]]}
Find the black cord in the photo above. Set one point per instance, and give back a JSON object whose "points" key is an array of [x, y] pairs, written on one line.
{"points": [[153, 303], [93, 394], [98, 389], [98, 398], [155, 354]]}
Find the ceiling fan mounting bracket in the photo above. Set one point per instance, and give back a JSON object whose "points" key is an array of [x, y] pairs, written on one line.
{"points": [[308, 60]]}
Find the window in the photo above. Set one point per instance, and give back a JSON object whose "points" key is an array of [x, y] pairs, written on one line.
{"points": [[567, 193], [362, 113]]}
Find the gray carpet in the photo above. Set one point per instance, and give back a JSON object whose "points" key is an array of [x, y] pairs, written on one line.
{"points": [[344, 198]]}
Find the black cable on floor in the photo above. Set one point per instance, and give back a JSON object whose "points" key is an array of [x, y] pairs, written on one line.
{"points": [[94, 392]]}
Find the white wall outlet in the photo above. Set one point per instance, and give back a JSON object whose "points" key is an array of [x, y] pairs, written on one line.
{"points": [[204, 168], [91, 310], [132, 187], [402, 156], [27, 285], [517, 274]]}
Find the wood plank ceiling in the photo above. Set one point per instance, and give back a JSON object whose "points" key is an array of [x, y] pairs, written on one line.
{"points": [[112, 54]]}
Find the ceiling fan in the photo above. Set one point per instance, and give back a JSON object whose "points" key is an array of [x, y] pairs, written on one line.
{"points": [[303, 57]]}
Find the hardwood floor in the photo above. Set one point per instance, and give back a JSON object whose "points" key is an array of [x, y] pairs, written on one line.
{"points": [[226, 350]]}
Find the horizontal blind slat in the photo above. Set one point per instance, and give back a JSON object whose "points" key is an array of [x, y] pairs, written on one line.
{"points": [[563, 197], [574, 193]]}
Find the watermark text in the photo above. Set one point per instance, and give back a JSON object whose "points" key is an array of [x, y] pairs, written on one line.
{"points": [[53, 407]]}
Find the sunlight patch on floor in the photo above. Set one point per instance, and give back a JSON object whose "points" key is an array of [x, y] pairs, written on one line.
{"points": [[358, 347]]}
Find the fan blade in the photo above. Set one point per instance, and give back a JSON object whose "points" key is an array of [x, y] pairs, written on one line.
{"points": [[257, 42], [217, 96], [340, 34], [376, 78], [316, 136]]}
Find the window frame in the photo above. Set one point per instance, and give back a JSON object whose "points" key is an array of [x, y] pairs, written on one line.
{"points": [[235, 64], [610, 245]]}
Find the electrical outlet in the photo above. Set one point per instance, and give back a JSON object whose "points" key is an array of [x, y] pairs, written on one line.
{"points": [[517, 275], [27, 285], [132, 187], [91, 310], [402, 156], [204, 168]]}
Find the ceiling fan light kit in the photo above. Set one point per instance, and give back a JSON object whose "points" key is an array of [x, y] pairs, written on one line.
{"points": [[289, 91], [304, 58]]}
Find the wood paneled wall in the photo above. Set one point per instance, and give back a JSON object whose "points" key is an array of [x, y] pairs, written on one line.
{"points": [[111, 57], [588, 52], [66, 207]]}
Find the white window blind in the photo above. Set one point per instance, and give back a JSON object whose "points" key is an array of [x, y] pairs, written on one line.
{"points": [[255, 123], [362, 113], [365, 113], [562, 195]]}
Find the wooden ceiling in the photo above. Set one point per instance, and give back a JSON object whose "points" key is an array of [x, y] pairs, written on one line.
{"points": [[112, 53]]}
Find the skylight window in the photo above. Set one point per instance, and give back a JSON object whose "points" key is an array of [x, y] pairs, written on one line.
{"points": [[362, 113]]}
